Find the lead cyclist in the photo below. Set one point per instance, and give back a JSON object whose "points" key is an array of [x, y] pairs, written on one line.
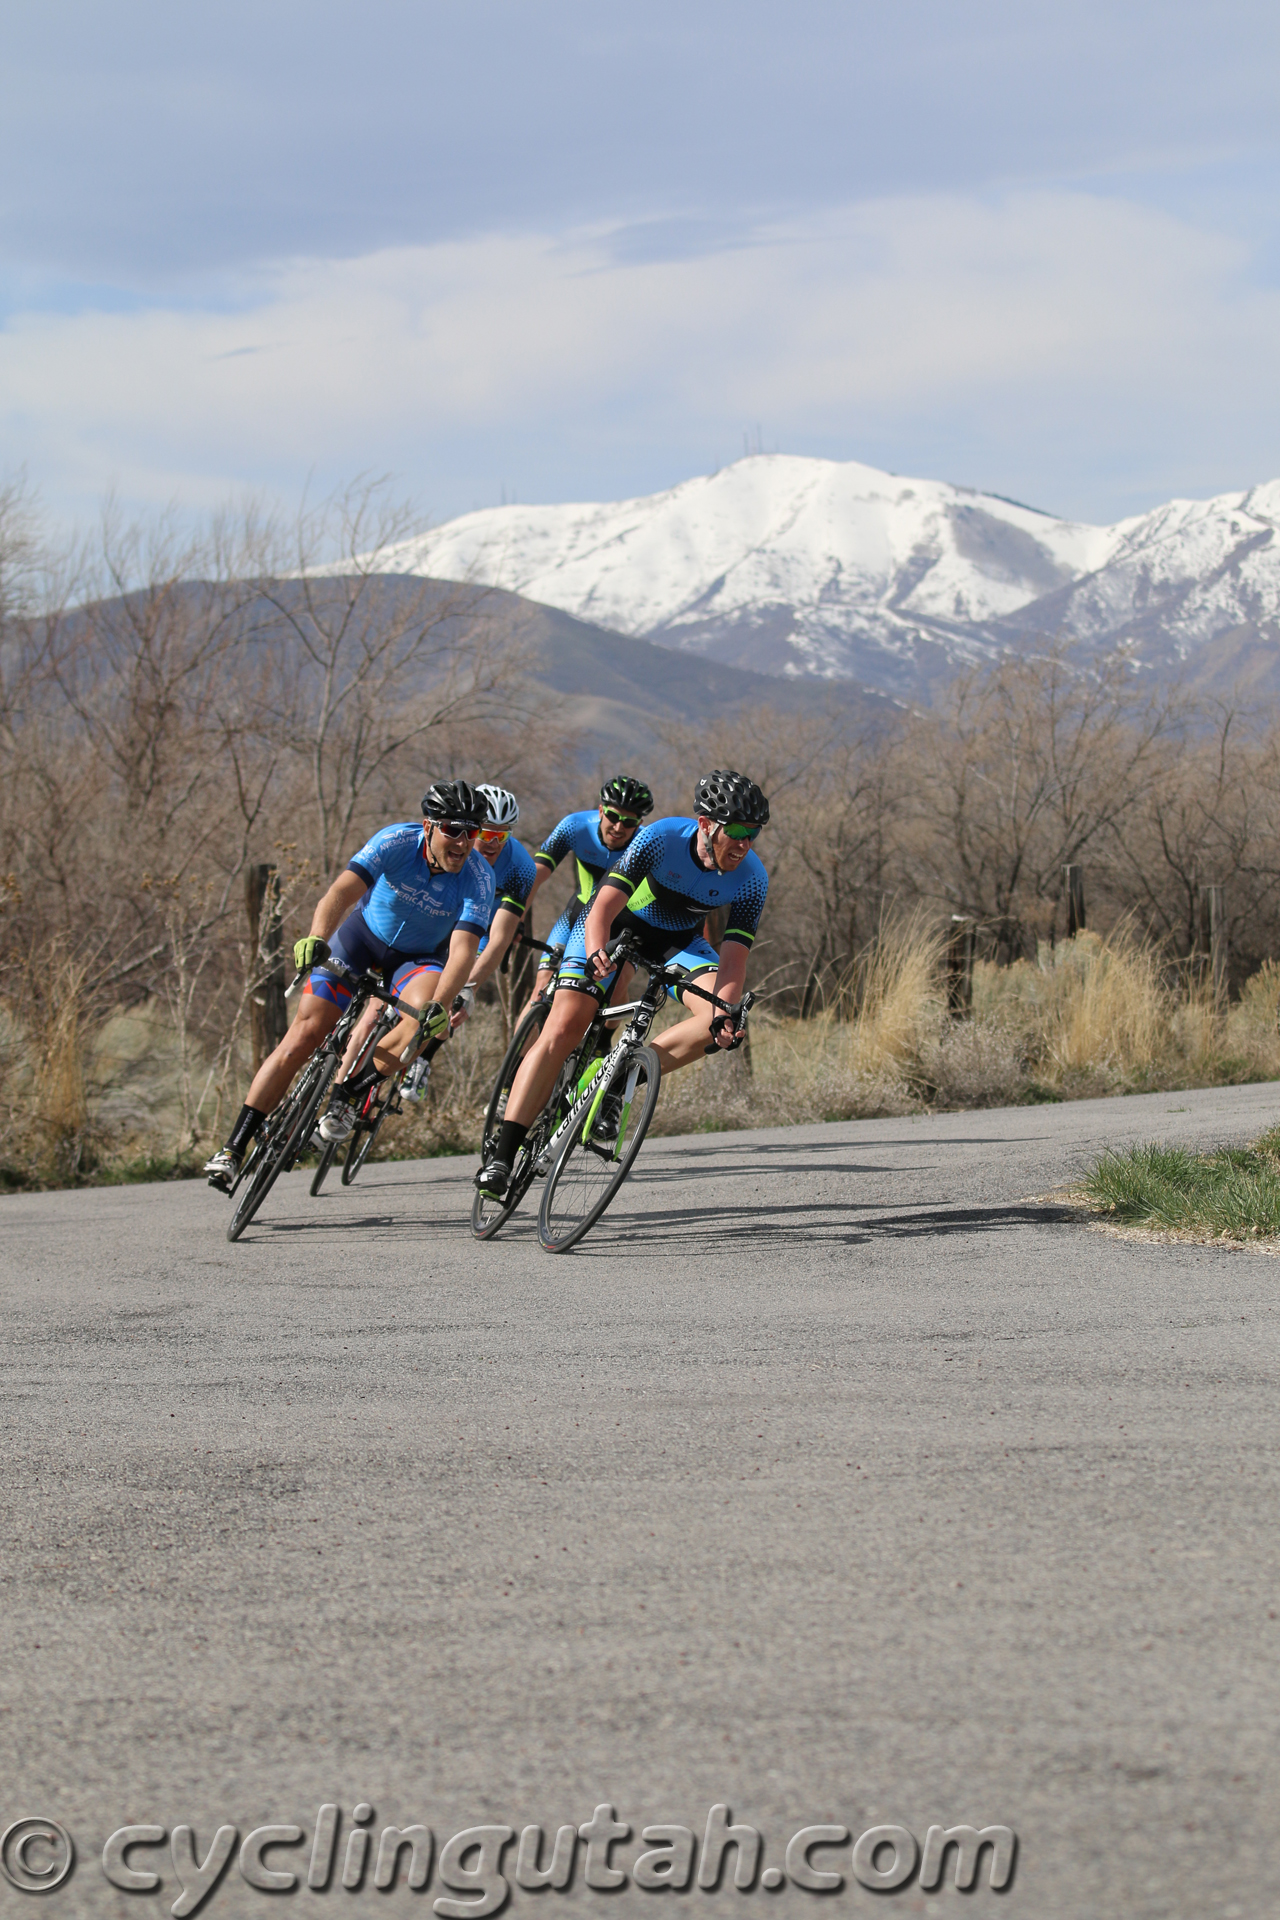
{"points": [[412, 906], [674, 873]]}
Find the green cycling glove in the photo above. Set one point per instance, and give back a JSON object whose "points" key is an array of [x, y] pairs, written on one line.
{"points": [[310, 952], [433, 1020]]}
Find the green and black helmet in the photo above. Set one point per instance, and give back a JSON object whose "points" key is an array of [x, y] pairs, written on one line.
{"points": [[627, 795]]}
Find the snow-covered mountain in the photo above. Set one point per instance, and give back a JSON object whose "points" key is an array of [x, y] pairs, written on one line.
{"points": [[798, 566]]}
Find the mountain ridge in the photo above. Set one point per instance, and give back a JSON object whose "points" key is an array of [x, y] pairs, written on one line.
{"points": [[832, 570]]}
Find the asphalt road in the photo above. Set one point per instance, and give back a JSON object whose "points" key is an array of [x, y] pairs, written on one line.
{"points": [[836, 1478]]}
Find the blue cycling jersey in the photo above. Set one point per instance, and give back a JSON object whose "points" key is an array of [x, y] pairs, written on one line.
{"points": [[578, 834], [514, 872], [670, 890], [409, 906]]}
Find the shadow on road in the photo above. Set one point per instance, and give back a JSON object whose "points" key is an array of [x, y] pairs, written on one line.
{"points": [[804, 1223]]}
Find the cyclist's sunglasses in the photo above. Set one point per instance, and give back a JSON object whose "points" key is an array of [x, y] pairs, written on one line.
{"points": [[737, 831], [456, 829], [494, 836], [620, 819]]}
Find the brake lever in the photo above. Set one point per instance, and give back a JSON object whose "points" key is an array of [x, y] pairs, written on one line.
{"points": [[739, 1024]]}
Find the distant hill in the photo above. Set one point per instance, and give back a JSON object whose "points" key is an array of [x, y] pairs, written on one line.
{"points": [[618, 690], [803, 569], [615, 692]]}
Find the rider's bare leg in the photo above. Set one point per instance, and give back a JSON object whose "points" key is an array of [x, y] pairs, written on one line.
{"points": [[316, 1020], [571, 1014]]}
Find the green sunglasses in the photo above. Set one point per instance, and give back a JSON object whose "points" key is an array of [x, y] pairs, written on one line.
{"points": [[620, 819], [737, 831]]}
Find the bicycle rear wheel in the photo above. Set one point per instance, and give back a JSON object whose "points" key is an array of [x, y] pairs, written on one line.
{"points": [[288, 1139], [589, 1168], [488, 1215], [326, 1161], [362, 1142]]}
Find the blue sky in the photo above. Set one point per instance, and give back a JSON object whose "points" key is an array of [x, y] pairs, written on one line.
{"points": [[581, 251]]}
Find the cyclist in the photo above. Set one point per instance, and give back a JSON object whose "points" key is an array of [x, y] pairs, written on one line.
{"points": [[397, 909], [660, 889], [595, 837], [515, 877]]}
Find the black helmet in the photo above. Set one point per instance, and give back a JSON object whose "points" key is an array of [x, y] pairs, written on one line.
{"points": [[731, 798], [455, 800], [627, 795]]}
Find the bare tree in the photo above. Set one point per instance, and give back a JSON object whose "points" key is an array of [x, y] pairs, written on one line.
{"points": [[373, 666]]}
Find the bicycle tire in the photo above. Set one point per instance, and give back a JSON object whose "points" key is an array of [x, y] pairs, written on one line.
{"points": [[582, 1181], [487, 1215], [292, 1135], [361, 1144], [529, 1030], [326, 1161]]}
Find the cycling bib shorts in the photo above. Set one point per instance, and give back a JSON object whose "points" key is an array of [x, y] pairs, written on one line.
{"points": [[358, 947]]}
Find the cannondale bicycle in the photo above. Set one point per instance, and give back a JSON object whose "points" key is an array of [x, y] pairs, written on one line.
{"points": [[588, 1135]]}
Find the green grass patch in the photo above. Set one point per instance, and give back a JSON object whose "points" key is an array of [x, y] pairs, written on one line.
{"points": [[1233, 1194]]}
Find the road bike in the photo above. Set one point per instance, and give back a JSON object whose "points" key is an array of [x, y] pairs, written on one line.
{"points": [[487, 1215], [384, 1098], [587, 1136], [287, 1133]]}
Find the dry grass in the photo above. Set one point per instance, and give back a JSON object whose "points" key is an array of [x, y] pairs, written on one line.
{"points": [[1091, 1016]]}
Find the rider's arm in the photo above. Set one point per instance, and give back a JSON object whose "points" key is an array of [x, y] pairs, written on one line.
{"points": [[501, 934], [333, 907], [730, 980], [605, 908], [544, 873], [464, 944]]}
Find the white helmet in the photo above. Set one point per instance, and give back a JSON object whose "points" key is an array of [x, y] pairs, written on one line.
{"points": [[504, 808]]}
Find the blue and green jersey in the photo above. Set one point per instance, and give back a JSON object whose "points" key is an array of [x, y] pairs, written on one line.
{"points": [[668, 889]]}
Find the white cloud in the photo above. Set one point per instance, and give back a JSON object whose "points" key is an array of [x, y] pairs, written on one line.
{"points": [[1112, 336]]}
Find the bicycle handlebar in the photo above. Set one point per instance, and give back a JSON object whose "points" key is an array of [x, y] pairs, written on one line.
{"points": [[731, 1013], [523, 939]]}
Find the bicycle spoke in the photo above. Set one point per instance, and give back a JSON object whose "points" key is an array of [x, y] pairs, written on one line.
{"points": [[595, 1158]]}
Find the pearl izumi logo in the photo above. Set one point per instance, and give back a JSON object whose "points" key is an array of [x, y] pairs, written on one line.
{"points": [[478, 1869]]}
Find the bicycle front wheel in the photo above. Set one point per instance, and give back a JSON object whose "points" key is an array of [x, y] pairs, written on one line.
{"points": [[288, 1140], [596, 1157], [488, 1215]]}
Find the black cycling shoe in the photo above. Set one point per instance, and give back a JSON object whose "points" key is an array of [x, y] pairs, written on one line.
{"points": [[494, 1179], [608, 1121]]}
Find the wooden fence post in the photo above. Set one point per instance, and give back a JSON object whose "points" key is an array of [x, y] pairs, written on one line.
{"points": [[267, 1016], [960, 946], [1074, 877], [1213, 938]]}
